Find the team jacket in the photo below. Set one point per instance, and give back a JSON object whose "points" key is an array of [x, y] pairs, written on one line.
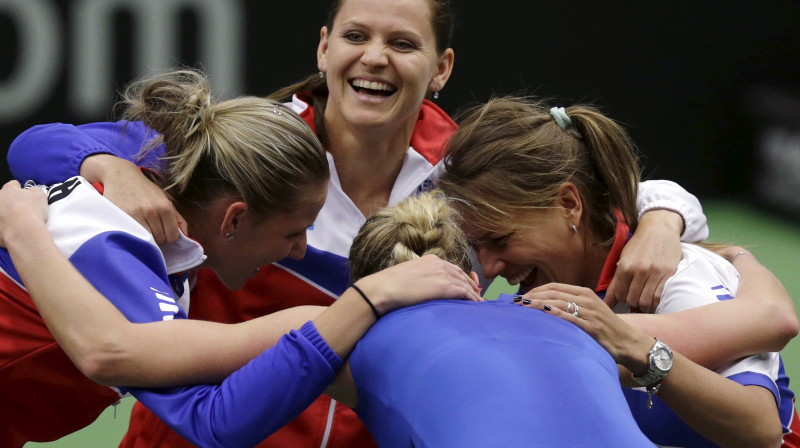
{"points": [[488, 374], [44, 397], [47, 153], [702, 278]]}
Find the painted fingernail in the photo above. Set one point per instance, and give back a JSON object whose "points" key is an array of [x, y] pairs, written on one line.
{"points": [[517, 299], [548, 308], [526, 301]]}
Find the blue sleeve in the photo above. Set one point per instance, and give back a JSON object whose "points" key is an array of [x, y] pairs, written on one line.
{"points": [[248, 406], [53, 152], [254, 401], [130, 273]]}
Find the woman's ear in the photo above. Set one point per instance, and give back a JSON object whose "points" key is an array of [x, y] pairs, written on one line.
{"points": [[322, 50], [570, 200], [443, 71], [234, 218]]}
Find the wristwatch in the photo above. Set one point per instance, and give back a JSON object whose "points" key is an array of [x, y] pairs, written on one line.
{"points": [[659, 366]]}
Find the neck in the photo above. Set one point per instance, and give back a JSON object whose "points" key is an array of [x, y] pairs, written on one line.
{"points": [[594, 260], [368, 160]]}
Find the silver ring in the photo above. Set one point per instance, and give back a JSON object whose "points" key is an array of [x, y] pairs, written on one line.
{"points": [[570, 306], [576, 310]]}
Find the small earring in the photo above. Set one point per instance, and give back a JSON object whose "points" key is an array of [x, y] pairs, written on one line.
{"points": [[228, 235], [321, 75], [574, 228], [436, 95]]}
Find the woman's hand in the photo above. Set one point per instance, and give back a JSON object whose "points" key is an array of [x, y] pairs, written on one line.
{"points": [[647, 261], [416, 281], [581, 306], [18, 208], [126, 186]]}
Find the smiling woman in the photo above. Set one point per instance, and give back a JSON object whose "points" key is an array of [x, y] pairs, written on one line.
{"points": [[548, 196], [380, 63], [534, 251]]}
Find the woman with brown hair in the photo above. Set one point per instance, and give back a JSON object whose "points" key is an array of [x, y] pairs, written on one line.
{"points": [[548, 197]]}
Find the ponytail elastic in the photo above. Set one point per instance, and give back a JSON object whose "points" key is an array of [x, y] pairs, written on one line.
{"points": [[560, 116]]}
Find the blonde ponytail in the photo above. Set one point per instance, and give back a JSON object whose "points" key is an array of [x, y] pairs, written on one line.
{"points": [[418, 226], [252, 148]]}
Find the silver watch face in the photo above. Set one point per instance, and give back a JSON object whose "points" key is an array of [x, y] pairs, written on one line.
{"points": [[662, 358]]}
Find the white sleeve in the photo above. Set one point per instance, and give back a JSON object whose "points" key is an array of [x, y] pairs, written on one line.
{"points": [[665, 194]]}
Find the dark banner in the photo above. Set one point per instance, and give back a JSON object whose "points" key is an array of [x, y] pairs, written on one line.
{"points": [[677, 74]]}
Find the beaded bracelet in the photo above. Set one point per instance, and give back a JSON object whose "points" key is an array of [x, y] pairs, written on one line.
{"points": [[366, 299]]}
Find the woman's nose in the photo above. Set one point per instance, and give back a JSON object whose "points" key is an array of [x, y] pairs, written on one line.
{"points": [[298, 250], [491, 264], [374, 54]]}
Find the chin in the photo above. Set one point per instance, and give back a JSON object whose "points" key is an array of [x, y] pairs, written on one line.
{"points": [[370, 119]]}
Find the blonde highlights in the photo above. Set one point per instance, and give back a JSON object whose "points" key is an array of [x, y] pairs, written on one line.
{"points": [[248, 147], [509, 158], [417, 226]]}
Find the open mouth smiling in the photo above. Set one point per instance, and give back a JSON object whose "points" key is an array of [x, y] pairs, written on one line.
{"points": [[526, 279], [372, 88]]}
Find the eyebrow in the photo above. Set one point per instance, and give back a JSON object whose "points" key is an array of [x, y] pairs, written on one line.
{"points": [[402, 33]]}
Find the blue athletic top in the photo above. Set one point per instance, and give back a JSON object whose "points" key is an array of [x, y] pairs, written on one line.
{"points": [[453, 373], [121, 260]]}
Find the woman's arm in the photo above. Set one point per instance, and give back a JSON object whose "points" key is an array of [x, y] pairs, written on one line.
{"points": [[721, 409], [112, 350], [667, 215], [761, 318], [667, 195], [100, 152], [54, 152], [254, 401], [343, 388], [725, 412]]}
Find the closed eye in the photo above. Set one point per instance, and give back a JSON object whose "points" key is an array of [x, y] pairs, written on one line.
{"points": [[501, 240]]}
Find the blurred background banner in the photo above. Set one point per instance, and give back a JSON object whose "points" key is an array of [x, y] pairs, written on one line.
{"points": [[776, 116], [682, 75]]}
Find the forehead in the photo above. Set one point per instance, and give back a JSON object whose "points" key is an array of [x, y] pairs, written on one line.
{"points": [[480, 228], [482, 231], [414, 15]]}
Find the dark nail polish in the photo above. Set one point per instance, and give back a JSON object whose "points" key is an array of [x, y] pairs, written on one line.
{"points": [[526, 301], [548, 308], [517, 299]]}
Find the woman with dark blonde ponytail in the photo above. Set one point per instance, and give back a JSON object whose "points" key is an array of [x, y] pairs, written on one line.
{"points": [[547, 196], [249, 177]]}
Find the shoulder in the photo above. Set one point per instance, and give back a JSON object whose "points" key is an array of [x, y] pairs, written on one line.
{"points": [[432, 131], [302, 107], [702, 277]]}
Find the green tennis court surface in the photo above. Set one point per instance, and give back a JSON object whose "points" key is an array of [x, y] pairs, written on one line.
{"points": [[775, 241]]}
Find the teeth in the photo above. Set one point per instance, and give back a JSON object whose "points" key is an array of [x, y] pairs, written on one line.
{"points": [[520, 277], [364, 84]]}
